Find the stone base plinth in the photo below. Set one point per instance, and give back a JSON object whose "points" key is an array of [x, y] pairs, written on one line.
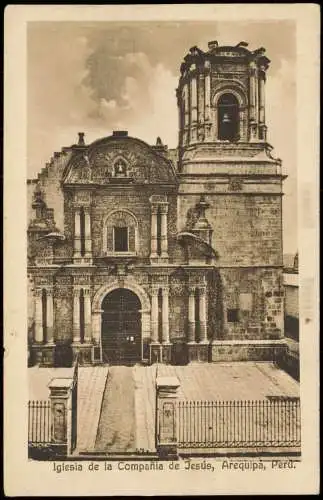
{"points": [[84, 352], [83, 261], [179, 353], [167, 452], [166, 353], [50, 452], [288, 361], [155, 353], [160, 353], [42, 354], [246, 350], [159, 260], [198, 352]]}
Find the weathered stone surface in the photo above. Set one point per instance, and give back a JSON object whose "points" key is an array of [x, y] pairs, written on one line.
{"points": [[231, 248]]}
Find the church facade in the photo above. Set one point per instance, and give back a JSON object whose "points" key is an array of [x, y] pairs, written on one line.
{"points": [[140, 253]]}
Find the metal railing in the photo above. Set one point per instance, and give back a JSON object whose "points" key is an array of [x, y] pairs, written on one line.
{"points": [[273, 422], [39, 422]]}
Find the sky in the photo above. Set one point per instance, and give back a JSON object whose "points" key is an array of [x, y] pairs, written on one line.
{"points": [[96, 77]]}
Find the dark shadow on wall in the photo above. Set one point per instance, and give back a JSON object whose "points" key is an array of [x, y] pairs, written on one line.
{"points": [[63, 356], [292, 327], [215, 305]]}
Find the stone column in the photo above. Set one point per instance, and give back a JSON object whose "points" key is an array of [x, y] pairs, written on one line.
{"points": [[155, 347], [207, 99], [262, 98], [50, 316], [252, 72], [262, 105], [181, 112], [38, 316], [186, 105], [88, 237], [76, 316], [154, 212], [201, 99], [253, 102], [77, 232], [87, 316], [256, 98], [165, 315], [164, 236], [200, 105], [191, 316], [154, 315], [193, 97], [96, 326], [207, 84], [203, 318], [193, 104], [186, 114]]}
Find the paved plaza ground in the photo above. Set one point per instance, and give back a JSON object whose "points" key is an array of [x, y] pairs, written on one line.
{"points": [[116, 404]]}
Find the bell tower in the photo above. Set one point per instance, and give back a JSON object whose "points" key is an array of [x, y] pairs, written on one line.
{"points": [[225, 165], [221, 96]]}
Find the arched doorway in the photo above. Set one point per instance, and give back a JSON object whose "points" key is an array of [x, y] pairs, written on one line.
{"points": [[228, 117], [121, 327]]}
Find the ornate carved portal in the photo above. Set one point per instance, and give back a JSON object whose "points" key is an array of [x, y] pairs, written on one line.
{"points": [[121, 322], [121, 327]]}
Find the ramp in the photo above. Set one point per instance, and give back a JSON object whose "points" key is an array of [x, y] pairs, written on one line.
{"points": [[91, 385], [117, 423]]}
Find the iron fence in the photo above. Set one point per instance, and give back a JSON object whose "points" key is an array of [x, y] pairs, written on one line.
{"points": [[235, 424], [39, 422]]}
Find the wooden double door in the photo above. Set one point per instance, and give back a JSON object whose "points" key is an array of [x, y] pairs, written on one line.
{"points": [[121, 327]]}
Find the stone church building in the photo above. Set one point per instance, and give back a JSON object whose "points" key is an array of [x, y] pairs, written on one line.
{"points": [[140, 253]]}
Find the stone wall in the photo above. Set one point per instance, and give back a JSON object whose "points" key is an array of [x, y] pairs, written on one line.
{"points": [[247, 352], [31, 184], [247, 304], [291, 305], [291, 301], [49, 180], [246, 228]]}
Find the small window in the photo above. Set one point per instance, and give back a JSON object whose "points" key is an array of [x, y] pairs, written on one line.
{"points": [[233, 315], [121, 239]]}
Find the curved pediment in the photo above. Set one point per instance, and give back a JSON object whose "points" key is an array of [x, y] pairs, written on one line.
{"points": [[197, 243], [120, 160]]}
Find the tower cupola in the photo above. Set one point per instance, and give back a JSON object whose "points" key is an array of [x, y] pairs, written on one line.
{"points": [[221, 95]]}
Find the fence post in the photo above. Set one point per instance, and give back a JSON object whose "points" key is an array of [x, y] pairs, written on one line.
{"points": [[166, 421], [60, 400]]}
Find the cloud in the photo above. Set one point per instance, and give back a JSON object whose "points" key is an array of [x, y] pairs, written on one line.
{"points": [[93, 76]]}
